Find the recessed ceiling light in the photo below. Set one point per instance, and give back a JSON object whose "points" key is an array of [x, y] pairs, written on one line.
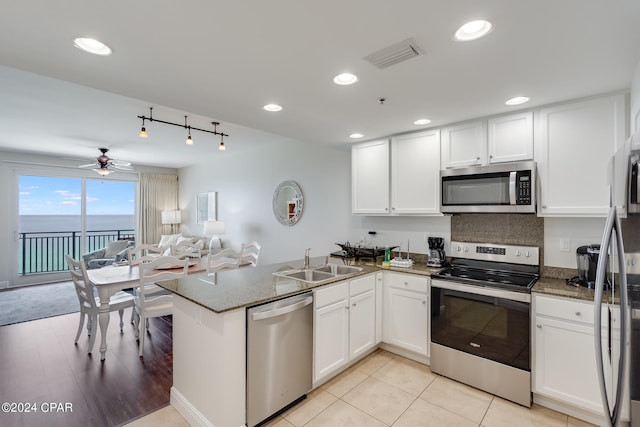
{"points": [[356, 135], [92, 46], [517, 100], [472, 30], [345, 79], [272, 107], [422, 122]]}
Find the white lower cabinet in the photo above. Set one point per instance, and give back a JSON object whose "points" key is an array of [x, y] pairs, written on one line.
{"points": [[564, 365], [406, 312], [344, 323]]}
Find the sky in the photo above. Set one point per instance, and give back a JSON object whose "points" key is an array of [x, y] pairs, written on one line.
{"points": [[40, 195]]}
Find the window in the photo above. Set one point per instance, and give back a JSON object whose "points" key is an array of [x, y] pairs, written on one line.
{"points": [[59, 216]]}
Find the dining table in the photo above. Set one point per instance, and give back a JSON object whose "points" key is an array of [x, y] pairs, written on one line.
{"points": [[111, 279]]}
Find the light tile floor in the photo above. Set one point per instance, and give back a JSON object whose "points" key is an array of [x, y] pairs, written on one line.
{"points": [[389, 390]]}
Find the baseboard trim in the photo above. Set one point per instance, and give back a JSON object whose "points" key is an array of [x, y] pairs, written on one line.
{"points": [[187, 410], [568, 409]]}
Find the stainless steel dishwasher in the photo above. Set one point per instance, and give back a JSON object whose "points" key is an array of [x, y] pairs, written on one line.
{"points": [[279, 355]]}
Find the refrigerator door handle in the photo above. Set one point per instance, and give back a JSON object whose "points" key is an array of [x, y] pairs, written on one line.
{"points": [[612, 225]]}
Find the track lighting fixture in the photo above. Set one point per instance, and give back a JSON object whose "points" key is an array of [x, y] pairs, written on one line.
{"points": [[189, 141], [143, 131]]}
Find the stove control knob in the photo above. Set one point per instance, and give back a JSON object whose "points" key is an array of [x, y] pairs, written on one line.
{"points": [[458, 248], [527, 254], [466, 249], [517, 253]]}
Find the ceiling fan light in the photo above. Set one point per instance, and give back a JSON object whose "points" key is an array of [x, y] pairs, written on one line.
{"points": [[102, 171], [143, 133]]}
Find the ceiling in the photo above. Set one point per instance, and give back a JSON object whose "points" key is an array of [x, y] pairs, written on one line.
{"points": [[222, 61]]}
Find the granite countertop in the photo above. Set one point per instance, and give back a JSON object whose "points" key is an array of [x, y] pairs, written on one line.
{"points": [[247, 286], [228, 290], [559, 287]]}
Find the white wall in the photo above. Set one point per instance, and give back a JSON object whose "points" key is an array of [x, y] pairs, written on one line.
{"points": [[635, 100], [245, 183]]}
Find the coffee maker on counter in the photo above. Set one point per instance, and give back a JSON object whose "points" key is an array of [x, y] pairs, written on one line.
{"points": [[587, 260], [436, 252]]}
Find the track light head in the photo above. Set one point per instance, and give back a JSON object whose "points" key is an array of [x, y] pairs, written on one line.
{"points": [[143, 133], [189, 140], [221, 147]]}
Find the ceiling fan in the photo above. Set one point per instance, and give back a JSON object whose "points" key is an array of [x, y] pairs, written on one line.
{"points": [[104, 165]]}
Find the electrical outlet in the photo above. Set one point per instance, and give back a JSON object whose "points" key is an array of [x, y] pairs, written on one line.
{"points": [[565, 245]]}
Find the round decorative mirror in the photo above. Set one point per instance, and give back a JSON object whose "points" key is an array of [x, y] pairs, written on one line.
{"points": [[287, 203]]}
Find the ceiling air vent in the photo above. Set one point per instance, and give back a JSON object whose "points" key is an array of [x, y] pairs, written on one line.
{"points": [[395, 54]]}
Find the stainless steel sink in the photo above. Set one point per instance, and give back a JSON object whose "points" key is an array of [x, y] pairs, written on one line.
{"points": [[339, 270], [309, 276]]}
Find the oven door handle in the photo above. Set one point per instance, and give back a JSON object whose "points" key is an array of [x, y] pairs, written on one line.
{"points": [[512, 188], [481, 290]]}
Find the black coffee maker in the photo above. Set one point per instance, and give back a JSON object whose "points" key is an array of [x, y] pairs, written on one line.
{"points": [[436, 252], [587, 259]]}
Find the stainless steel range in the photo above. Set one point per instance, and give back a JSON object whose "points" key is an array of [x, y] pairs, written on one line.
{"points": [[480, 318]]}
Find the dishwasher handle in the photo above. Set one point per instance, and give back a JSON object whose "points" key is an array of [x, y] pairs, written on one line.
{"points": [[261, 315]]}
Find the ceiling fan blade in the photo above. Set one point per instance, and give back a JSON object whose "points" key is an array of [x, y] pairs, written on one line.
{"points": [[122, 167], [120, 162], [89, 165]]}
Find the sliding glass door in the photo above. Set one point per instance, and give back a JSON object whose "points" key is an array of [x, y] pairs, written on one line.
{"points": [[61, 215]]}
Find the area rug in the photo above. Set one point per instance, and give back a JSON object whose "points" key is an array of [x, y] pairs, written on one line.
{"points": [[37, 302]]}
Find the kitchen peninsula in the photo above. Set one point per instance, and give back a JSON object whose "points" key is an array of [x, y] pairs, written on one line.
{"points": [[209, 329]]}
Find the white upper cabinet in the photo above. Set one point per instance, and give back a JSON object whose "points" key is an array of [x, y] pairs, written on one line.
{"points": [[415, 173], [412, 187], [464, 145], [511, 138], [574, 145], [496, 140], [370, 178]]}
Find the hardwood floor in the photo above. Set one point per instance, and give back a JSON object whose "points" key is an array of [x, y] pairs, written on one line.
{"points": [[39, 364]]}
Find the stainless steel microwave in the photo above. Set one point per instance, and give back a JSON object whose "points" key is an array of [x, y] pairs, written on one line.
{"points": [[499, 188]]}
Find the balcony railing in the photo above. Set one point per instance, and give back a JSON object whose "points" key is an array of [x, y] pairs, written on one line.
{"points": [[43, 252]]}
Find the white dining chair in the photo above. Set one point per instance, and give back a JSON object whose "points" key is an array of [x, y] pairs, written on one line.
{"points": [[134, 255], [90, 303], [152, 270], [249, 254], [222, 260], [186, 249]]}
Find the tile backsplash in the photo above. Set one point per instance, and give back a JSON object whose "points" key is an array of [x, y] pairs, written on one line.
{"points": [[506, 229]]}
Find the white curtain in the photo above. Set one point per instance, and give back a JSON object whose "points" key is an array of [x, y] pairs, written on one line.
{"points": [[157, 193]]}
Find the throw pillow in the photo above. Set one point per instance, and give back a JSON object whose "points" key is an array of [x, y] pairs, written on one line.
{"points": [[166, 240]]}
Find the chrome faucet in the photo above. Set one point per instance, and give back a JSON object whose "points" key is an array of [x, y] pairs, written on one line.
{"points": [[306, 258]]}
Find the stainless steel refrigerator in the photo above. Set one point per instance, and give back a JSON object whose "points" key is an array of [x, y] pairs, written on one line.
{"points": [[617, 310]]}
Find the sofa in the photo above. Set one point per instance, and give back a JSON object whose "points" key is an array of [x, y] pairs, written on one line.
{"points": [[208, 244], [115, 251]]}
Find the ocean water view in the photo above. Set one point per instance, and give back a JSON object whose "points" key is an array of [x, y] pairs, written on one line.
{"points": [[44, 223], [45, 239]]}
